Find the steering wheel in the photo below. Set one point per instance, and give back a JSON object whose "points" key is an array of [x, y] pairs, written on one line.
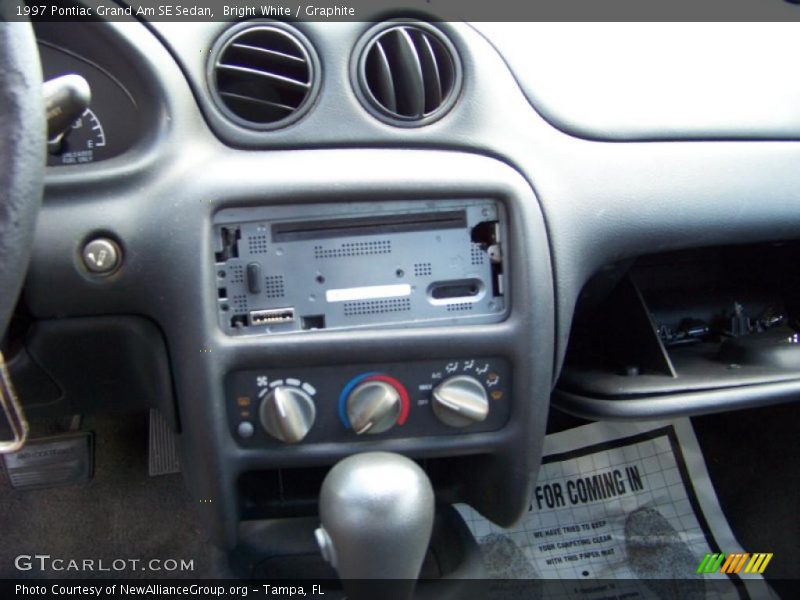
{"points": [[23, 141]]}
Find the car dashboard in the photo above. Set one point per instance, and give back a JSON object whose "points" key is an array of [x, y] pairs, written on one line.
{"points": [[409, 235]]}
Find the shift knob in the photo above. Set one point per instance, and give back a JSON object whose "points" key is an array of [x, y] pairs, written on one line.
{"points": [[376, 511]]}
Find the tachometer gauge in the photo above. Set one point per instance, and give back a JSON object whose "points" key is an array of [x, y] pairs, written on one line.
{"points": [[81, 142]]}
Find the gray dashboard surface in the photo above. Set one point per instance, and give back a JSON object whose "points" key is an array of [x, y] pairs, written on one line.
{"points": [[640, 81], [600, 201]]}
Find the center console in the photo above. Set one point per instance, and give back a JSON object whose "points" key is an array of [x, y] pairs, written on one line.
{"points": [[410, 317], [327, 303], [405, 325], [291, 269]]}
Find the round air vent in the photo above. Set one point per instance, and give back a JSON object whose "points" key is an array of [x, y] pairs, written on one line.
{"points": [[263, 76], [407, 73]]}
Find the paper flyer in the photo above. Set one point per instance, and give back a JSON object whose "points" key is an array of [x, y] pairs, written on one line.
{"points": [[623, 510]]}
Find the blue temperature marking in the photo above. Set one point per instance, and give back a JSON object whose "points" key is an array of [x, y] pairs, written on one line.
{"points": [[346, 392]]}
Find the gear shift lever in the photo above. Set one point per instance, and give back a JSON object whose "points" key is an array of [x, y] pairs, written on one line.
{"points": [[377, 514]]}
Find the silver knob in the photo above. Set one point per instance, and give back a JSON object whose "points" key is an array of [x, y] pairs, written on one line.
{"points": [[287, 414], [373, 407], [460, 401]]}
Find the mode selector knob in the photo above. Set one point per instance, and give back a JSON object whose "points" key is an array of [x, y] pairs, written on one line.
{"points": [[460, 401], [287, 413], [373, 407]]}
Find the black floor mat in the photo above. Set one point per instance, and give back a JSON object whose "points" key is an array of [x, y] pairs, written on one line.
{"points": [[753, 458], [121, 514]]}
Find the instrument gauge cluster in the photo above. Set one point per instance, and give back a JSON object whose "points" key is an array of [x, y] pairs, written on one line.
{"points": [[107, 127]]}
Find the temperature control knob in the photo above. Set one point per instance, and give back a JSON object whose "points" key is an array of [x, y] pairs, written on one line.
{"points": [[460, 401], [373, 407], [287, 413]]}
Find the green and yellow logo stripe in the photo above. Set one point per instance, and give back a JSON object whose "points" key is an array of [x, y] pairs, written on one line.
{"points": [[733, 563]]}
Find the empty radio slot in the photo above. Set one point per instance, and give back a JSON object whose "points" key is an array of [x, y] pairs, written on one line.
{"points": [[331, 266], [462, 290], [377, 225], [271, 316]]}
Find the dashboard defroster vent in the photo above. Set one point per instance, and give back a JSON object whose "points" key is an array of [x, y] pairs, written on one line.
{"points": [[407, 74], [263, 76]]}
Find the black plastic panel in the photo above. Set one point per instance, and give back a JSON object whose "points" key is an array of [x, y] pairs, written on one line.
{"points": [[98, 364], [327, 387]]}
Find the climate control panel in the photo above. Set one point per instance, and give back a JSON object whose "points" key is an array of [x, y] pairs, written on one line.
{"points": [[343, 404]]}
